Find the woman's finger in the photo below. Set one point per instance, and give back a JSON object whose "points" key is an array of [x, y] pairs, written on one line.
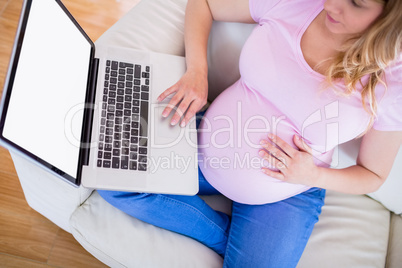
{"points": [[177, 98], [273, 174], [180, 111], [167, 92], [274, 160], [302, 145], [274, 151], [194, 107], [289, 150]]}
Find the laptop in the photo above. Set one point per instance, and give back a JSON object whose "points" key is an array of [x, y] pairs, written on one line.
{"points": [[89, 114]]}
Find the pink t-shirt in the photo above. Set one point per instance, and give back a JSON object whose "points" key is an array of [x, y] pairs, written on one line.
{"points": [[279, 92]]}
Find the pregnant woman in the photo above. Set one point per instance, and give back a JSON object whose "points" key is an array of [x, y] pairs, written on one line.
{"points": [[314, 74]]}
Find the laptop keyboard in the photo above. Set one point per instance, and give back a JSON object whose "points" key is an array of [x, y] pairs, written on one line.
{"points": [[123, 140]]}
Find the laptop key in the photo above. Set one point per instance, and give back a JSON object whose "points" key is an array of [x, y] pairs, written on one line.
{"points": [[108, 156], [115, 65], [142, 150], [143, 142], [106, 164], [133, 165], [137, 71], [144, 96], [144, 118], [142, 159], [125, 151], [124, 162], [115, 162], [108, 147], [133, 155], [142, 166]]}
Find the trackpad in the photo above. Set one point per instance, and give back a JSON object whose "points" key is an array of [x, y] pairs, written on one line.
{"points": [[162, 125]]}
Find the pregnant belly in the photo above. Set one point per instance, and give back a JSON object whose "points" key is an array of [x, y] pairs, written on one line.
{"points": [[229, 137]]}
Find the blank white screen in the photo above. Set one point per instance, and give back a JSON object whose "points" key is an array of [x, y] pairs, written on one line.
{"points": [[50, 82]]}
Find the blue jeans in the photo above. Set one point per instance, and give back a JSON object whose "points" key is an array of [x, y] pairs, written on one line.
{"points": [[270, 235]]}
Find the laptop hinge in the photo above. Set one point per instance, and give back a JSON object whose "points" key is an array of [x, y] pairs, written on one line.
{"points": [[88, 116]]}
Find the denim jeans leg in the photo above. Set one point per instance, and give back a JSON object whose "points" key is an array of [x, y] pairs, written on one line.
{"points": [[186, 215], [272, 235]]}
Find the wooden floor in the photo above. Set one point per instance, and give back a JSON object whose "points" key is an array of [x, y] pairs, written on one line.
{"points": [[28, 239]]}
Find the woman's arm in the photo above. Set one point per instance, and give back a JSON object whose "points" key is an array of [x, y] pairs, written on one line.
{"points": [[376, 157], [191, 91], [374, 162]]}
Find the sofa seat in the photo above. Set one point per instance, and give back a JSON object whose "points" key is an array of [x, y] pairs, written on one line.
{"points": [[353, 231]]}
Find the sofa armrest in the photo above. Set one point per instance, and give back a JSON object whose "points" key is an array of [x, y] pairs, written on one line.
{"points": [[394, 257], [47, 194], [164, 35]]}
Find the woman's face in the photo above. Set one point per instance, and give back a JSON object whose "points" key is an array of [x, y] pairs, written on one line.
{"points": [[350, 17]]}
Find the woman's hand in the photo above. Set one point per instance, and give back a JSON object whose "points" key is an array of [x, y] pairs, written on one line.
{"points": [[190, 95], [295, 166]]}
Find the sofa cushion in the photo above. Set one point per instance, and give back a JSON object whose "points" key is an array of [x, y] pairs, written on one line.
{"points": [[352, 232], [120, 240]]}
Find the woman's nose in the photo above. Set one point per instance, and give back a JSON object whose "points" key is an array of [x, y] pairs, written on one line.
{"points": [[334, 6]]}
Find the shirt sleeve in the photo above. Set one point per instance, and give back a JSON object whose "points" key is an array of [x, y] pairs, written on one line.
{"points": [[259, 8], [390, 115]]}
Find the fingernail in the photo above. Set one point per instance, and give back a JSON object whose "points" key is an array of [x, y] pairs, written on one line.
{"points": [[263, 142], [270, 135], [261, 153], [183, 123], [173, 122], [164, 114]]}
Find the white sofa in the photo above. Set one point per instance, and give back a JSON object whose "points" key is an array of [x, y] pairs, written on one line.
{"points": [[353, 231]]}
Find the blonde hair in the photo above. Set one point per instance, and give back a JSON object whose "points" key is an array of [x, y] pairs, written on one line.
{"points": [[369, 54]]}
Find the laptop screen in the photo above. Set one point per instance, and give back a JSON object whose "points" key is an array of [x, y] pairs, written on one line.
{"points": [[47, 87]]}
